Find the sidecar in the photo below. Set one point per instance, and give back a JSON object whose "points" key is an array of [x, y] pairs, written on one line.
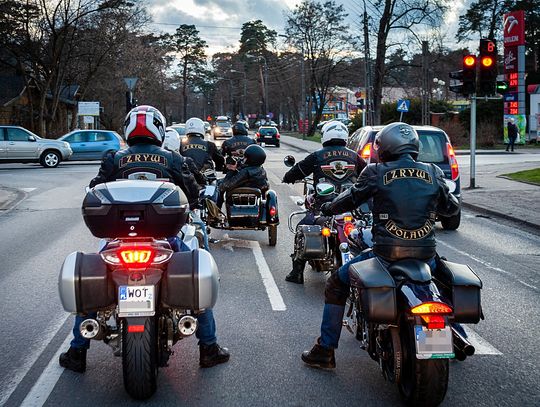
{"points": [[245, 209]]}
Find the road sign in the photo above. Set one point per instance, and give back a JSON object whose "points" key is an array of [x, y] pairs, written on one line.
{"points": [[131, 82], [403, 105], [88, 109]]}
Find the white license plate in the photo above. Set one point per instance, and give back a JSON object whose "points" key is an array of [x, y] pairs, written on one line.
{"points": [[433, 343], [345, 257], [270, 137], [136, 300]]}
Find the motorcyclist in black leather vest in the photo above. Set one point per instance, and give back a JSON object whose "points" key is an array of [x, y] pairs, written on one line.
{"points": [[333, 163], [236, 145], [144, 130], [203, 152], [407, 196]]}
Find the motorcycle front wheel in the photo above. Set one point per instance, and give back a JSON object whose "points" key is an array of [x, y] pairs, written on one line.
{"points": [[423, 382], [139, 360]]}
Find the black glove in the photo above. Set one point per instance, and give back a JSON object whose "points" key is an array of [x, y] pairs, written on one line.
{"points": [[325, 208]]}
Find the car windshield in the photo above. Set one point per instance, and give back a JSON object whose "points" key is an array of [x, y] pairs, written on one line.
{"points": [[267, 131], [225, 125], [180, 130], [432, 146]]}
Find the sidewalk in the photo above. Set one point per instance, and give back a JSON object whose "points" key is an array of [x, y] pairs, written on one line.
{"points": [[496, 196]]}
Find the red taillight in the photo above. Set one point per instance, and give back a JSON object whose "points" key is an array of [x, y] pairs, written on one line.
{"points": [[257, 135], [135, 328], [432, 308], [366, 151], [434, 321], [273, 211], [453, 161], [348, 228], [277, 135], [138, 257]]}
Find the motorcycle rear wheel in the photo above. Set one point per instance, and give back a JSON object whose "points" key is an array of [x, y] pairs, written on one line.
{"points": [[139, 360], [272, 235], [422, 382]]}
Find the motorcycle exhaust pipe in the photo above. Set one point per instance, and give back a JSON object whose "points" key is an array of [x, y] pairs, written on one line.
{"points": [[187, 325], [462, 346], [90, 329]]}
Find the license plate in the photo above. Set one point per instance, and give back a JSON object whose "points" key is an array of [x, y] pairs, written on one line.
{"points": [[433, 343], [345, 257], [136, 301], [269, 137]]}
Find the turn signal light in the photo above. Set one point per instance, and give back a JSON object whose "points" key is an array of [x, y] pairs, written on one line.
{"points": [[432, 308], [366, 151], [347, 218], [326, 232], [434, 321], [348, 228]]}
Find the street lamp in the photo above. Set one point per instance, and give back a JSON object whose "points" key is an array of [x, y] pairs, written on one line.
{"points": [[245, 91], [264, 81]]}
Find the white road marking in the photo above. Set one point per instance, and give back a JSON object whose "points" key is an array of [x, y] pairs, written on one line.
{"points": [[10, 387], [481, 346], [41, 391], [272, 290], [28, 189]]}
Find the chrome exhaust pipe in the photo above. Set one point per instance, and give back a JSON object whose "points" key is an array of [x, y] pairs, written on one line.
{"points": [[90, 329], [187, 325], [462, 346]]}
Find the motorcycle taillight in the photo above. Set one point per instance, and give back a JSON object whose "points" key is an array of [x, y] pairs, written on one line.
{"points": [[348, 228], [136, 255]]}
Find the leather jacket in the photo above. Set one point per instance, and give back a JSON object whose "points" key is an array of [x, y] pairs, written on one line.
{"points": [[150, 158], [202, 152], [250, 177], [407, 195], [236, 145]]}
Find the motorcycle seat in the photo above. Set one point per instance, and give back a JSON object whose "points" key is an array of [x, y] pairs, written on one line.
{"points": [[415, 270]]}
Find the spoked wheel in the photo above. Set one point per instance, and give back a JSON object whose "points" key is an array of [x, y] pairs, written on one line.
{"points": [[139, 360], [272, 235], [423, 382]]}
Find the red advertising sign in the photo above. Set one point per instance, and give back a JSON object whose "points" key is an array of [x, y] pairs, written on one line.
{"points": [[510, 59], [514, 28]]}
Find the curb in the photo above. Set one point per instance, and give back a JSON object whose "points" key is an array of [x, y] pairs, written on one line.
{"points": [[9, 204], [295, 146], [517, 180]]}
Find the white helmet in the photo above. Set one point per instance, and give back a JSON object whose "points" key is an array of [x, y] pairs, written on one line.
{"points": [[144, 124], [195, 126], [172, 140], [334, 130]]}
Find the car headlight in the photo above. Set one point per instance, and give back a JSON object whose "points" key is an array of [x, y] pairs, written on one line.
{"points": [[66, 144]]}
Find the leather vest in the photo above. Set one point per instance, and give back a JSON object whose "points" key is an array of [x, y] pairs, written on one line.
{"points": [[236, 145], [146, 158], [335, 164], [198, 150]]}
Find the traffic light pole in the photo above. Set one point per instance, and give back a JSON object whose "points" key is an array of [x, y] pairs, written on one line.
{"points": [[473, 143]]}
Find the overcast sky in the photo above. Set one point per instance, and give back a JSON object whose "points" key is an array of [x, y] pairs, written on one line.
{"points": [[219, 21]]}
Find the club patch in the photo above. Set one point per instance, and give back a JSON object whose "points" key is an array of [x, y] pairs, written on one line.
{"points": [[408, 234], [193, 147], [142, 158], [338, 169], [406, 173]]}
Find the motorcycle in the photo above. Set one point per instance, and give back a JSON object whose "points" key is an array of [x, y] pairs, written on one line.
{"points": [[407, 318], [140, 297]]}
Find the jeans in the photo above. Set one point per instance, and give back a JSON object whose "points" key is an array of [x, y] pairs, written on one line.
{"points": [[206, 327], [333, 314]]}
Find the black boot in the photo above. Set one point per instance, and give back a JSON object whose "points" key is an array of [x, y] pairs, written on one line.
{"points": [[297, 273], [319, 356], [74, 359], [211, 355]]}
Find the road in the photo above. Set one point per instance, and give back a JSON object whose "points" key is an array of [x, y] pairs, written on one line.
{"points": [[266, 327]]}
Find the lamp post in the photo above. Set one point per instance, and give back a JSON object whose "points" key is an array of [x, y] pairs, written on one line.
{"points": [[264, 80], [245, 91]]}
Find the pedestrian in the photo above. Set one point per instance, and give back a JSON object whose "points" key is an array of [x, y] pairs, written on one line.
{"points": [[513, 133]]}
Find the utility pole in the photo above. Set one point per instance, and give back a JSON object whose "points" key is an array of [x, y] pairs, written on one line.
{"points": [[367, 117], [473, 143], [425, 83]]}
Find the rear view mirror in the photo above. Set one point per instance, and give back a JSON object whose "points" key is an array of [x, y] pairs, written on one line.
{"points": [[289, 161], [325, 188], [31, 138]]}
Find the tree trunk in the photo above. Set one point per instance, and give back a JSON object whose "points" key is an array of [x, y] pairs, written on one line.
{"points": [[184, 91], [380, 60]]}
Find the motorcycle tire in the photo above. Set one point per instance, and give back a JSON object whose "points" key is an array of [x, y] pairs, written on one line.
{"points": [[423, 382], [139, 360], [451, 223], [272, 235]]}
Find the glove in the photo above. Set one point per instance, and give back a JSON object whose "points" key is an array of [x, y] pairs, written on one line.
{"points": [[325, 208]]}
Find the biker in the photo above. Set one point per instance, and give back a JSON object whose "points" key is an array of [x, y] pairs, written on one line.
{"points": [[333, 163], [251, 174], [240, 140], [407, 195], [203, 152], [144, 130]]}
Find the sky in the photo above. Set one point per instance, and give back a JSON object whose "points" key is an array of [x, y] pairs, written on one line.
{"points": [[220, 21]]}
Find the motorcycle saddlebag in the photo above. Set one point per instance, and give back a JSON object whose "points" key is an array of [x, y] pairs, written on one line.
{"points": [[191, 281], [84, 284], [310, 243], [377, 290], [460, 285], [135, 208]]}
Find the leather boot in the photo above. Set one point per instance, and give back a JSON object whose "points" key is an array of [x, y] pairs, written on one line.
{"points": [[297, 273], [320, 356], [74, 359], [211, 355]]}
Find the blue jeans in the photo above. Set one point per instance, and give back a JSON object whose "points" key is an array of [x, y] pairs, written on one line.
{"points": [[206, 327], [333, 314]]}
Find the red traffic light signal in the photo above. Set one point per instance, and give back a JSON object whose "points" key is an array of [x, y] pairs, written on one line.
{"points": [[488, 67], [469, 61], [469, 75], [487, 62]]}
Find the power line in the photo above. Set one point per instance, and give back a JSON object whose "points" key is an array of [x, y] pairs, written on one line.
{"points": [[202, 26]]}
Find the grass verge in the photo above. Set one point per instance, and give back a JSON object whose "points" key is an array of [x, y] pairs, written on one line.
{"points": [[532, 176], [315, 137]]}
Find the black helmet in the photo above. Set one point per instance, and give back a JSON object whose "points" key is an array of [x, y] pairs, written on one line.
{"points": [[254, 155], [396, 139], [239, 129]]}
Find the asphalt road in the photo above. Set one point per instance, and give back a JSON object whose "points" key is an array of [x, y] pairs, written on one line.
{"points": [[265, 329]]}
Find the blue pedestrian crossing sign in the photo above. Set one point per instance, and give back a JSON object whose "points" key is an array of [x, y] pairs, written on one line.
{"points": [[403, 105]]}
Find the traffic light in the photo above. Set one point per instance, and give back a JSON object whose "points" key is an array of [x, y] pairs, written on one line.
{"points": [[502, 87], [488, 68], [456, 86], [469, 74]]}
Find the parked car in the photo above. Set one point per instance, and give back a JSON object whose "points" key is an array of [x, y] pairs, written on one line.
{"points": [[435, 147], [93, 144], [22, 146], [268, 135]]}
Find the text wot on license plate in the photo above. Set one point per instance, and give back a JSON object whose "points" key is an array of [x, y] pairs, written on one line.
{"points": [[433, 343], [136, 300]]}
